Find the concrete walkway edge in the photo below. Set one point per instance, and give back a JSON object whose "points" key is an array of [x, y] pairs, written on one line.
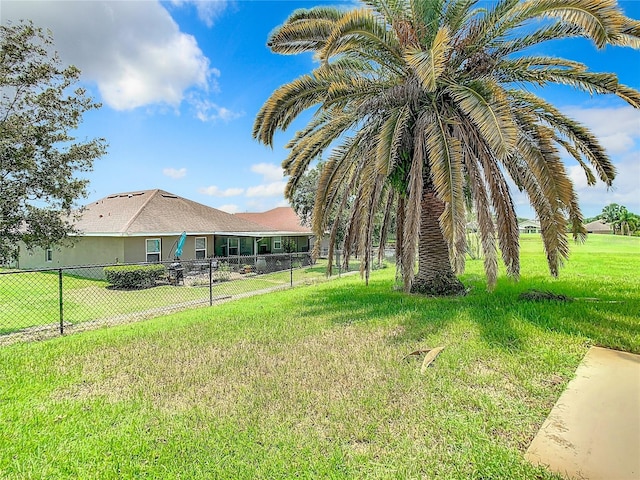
{"points": [[593, 431]]}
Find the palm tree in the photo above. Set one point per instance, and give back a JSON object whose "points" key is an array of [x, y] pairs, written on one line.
{"points": [[425, 106]]}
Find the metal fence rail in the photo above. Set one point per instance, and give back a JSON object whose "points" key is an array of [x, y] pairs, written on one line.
{"points": [[36, 304]]}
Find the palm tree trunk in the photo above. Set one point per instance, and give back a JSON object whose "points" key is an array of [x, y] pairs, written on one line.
{"points": [[435, 275]]}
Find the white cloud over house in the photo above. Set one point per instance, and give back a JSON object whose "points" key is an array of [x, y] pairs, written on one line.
{"points": [[269, 171], [273, 181], [229, 208], [273, 189], [174, 173], [215, 191]]}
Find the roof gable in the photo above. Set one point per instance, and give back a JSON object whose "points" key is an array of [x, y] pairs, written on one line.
{"points": [[598, 226]]}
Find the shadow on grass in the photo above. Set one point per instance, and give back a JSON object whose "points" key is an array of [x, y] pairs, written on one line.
{"points": [[502, 318]]}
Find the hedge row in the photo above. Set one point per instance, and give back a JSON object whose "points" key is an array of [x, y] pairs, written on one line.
{"points": [[134, 276]]}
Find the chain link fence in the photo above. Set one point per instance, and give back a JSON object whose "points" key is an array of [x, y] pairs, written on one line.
{"points": [[38, 304]]}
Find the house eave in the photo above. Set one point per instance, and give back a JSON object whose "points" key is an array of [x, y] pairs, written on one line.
{"points": [[269, 233]]}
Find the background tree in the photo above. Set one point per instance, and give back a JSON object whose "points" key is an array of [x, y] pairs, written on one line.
{"points": [[623, 221], [303, 201], [423, 102], [611, 212], [39, 159]]}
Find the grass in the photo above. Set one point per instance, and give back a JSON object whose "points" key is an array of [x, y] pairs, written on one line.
{"points": [[311, 382]]}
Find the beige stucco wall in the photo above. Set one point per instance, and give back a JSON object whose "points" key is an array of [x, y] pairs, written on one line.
{"points": [[135, 247], [108, 250], [83, 251]]}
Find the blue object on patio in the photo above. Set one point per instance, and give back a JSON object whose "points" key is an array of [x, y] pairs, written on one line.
{"points": [[183, 238]]}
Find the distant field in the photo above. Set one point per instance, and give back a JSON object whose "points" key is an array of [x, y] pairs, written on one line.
{"points": [[312, 382]]}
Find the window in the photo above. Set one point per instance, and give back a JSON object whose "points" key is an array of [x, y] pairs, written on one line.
{"points": [[277, 243], [48, 255], [233, 246], [153, 249], [201, 247]]}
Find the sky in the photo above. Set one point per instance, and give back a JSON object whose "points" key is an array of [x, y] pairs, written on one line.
{"points": [[181, 82]]}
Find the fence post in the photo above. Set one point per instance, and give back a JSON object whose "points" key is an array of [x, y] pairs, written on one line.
{"points": [[60, 299], [291, 269], [210, 282]]}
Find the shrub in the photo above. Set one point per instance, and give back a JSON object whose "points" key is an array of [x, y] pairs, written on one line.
{"points": [[223, 273], [134, 276]]}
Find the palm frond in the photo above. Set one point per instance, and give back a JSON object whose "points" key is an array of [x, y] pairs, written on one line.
{"points": [[430, 65], [506, 218], [591, 178], [390, 140], [599, 20], [386, 223], [585, 142], [486, 227], [412, 208], [302, 34], [487, 106], [544, 34], [285, 104], [361, 31]]}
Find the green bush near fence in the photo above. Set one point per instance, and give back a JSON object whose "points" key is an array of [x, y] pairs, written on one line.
{"points": [[134, 276]]}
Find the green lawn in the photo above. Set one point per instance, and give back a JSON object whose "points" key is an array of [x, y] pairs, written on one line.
{"points": [[311, 383]]}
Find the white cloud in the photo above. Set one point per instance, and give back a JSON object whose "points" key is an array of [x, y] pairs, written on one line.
{"points": [[618, 129], [272, 189], [208, 10], [262, 205], [208, 111], [624, 190], [214, 191], [269, 171], [174, 173], [133, 51], [229, 208]]}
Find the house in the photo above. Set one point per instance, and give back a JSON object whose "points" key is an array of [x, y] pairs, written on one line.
{"points": [[529, 226], [599, 227], [295, 235], [144, 226]]}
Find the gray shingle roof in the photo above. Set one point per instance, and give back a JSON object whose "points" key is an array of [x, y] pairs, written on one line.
{"points": [[158, 212]]}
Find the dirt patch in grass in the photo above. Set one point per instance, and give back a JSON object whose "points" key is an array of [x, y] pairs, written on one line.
{"points": [[321, 382]]}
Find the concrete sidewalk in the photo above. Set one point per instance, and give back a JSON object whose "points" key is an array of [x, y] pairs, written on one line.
{"points": [[593, 431]]}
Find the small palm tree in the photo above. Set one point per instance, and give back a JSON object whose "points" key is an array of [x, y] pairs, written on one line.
{"points": [[426, 107]]}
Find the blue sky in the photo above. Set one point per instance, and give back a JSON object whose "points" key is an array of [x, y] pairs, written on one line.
{"points": [[181, 83]]}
